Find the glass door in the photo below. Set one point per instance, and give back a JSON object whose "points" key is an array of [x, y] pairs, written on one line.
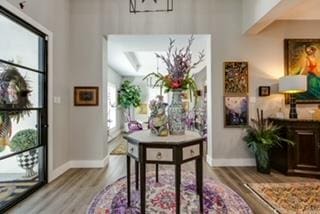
{"points": [[23, 109]]}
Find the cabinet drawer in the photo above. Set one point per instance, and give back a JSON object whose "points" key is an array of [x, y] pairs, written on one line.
{"points": [[191, 152], [133, 150], [159, 155]]}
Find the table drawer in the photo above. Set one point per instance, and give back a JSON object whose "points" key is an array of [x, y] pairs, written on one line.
{"points": [[133, 150], [159, 154], [191, 152]]}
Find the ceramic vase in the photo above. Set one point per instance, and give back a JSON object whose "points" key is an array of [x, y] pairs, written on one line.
{"points": [[176, 114]]}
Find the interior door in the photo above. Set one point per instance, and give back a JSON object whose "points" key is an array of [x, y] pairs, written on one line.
{"points": [[23, 109]]}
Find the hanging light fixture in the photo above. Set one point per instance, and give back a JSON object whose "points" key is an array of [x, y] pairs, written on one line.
{"points": [[140, 6]]}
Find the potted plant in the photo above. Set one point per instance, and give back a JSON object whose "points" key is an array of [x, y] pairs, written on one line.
{"points": [[23, 140], [178, 79], [261, 137], [14, 91], [129, 96]]}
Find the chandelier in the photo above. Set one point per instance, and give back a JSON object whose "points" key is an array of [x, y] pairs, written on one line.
{"points": [[140, 6]]}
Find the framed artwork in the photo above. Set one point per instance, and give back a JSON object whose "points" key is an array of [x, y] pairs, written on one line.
{"points": [[264, 91], [236, 78], [302, 56], [236, 111], [86, 96]]}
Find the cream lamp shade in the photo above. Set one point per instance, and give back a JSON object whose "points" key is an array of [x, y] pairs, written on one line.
{"points": [[293, 84]]}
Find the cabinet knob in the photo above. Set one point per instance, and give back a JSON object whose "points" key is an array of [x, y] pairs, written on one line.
{"points": [[159, 156], [191, 152], [131, 149]]}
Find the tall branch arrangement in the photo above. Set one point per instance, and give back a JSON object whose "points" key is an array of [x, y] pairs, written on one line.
{"points": [[179, 65]]}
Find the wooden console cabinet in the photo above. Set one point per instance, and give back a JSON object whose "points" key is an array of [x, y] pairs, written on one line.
{"points": [[302, 159]]}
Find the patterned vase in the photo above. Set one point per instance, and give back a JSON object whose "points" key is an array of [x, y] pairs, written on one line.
{"points": [[176, 114], [27, 161]]}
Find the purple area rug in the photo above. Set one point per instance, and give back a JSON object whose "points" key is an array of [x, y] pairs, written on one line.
{"points": [[160, 197]]}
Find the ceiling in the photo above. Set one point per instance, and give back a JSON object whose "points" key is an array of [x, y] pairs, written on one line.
{"points": [[134, 55], [306, 10]]}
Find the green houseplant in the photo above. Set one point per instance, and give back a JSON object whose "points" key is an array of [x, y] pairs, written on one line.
{"points": [[262, 136], [129, 96], [23, 140]]}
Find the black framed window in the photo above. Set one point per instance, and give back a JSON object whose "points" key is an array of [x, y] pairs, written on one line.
{"points": [[23, 109]]}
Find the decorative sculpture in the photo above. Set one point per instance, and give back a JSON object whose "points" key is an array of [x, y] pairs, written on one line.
{"points": [[158, 121]]}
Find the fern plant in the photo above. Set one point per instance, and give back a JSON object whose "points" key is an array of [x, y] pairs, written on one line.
{"points": [[261, 137]]}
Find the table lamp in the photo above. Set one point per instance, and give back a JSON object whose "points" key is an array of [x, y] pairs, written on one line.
{"points": [[293, 85]]}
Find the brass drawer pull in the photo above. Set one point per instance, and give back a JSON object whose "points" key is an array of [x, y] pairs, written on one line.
{"points": [[159, 156], [131, 150], [191, 152]]}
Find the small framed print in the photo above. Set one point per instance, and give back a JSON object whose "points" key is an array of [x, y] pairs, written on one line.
{"points": [[236, 78], [264, 91], [86, 96], [236, 111]]}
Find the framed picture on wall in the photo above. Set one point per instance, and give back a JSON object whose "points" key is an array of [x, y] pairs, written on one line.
{"points": [[86, 96], [302, 57], [236, 78], [236, 111]]}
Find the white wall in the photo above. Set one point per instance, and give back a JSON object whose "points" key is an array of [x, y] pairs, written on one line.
{"points": [[88, 127], [220, 18], [116, 79], [54, 15]]}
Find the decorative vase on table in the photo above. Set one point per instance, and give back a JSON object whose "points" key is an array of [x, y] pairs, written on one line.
{"points": [[178, 79], [176, 114]]}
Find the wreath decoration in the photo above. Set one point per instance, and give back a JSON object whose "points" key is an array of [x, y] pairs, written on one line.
{"points": [[14, 94]]}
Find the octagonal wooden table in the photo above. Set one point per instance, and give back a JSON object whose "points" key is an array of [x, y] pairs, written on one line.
{"points": [[146, 148]]}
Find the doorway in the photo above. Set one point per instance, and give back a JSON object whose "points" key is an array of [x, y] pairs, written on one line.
{"points": [[132, 57], [23, 109]]}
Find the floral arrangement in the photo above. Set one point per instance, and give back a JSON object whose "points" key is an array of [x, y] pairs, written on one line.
{"points": [[178, 64]]}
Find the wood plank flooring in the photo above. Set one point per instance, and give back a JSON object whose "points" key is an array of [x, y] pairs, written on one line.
{"points": [[73, 191]]}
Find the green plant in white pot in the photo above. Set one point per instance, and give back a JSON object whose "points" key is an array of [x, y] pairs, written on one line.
{"points": [[23, 140], [261, 137], [129, 96]]}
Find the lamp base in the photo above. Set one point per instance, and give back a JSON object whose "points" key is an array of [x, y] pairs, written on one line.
{"points": [[293, 107]]}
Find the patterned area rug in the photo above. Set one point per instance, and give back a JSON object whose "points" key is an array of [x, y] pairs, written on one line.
{"points": [[289, 197], [218, 198]]}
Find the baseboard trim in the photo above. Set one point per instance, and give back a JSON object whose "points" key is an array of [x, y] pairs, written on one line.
{"points": [[232, 162], [78, 164], [59, 171]]}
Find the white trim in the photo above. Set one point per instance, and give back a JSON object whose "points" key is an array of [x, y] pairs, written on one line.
{"points": [[209, 160], [26, 18], [231, 162], [79, 164], [60, 170]]}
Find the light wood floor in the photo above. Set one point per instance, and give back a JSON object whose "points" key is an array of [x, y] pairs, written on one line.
{"points": [[73, 191]]}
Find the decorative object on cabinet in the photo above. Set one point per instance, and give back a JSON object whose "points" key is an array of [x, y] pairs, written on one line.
{"points": [[147, 6], [302, 159], [293, 85], [86, 96], [158, 121], [236, 78], [23, 140], [302, 58], [261, 137], [236, 111], [264, 91], [179, 79]]}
